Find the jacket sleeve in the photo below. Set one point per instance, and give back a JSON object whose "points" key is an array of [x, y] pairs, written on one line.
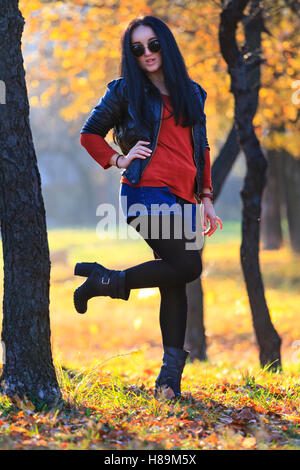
{"points": [[206, 183], [107, 112], [204, 96]]}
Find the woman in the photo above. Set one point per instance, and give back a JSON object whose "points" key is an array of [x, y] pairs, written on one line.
{"points": [[157, 113]]}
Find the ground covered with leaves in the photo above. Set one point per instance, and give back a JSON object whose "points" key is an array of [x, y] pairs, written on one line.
{"points": [[108, 359]]}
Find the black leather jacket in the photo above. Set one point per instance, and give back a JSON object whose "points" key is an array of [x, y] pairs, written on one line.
{"points": [[113, 111]]}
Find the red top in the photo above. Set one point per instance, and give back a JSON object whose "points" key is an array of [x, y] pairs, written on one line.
{"points": [[172, 163]]}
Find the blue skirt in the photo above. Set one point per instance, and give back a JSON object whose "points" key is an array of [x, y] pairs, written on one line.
{"points": [[143, 200]]}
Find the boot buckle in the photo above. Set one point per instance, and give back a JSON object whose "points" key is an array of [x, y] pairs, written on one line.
{"points": [[105, 282]]}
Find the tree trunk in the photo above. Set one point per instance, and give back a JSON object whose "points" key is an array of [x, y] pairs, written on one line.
{"points": [[28, 369], [270, 227], [220, 171], [224, 162], [268, 340], [292, 190], [195, 340], [195, 332]]}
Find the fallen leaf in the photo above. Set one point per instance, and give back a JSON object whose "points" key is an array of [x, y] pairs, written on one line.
{"points": [[249, 442]]}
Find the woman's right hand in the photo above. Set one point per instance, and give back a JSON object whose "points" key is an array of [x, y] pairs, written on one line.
{"points": [[138, 151]]}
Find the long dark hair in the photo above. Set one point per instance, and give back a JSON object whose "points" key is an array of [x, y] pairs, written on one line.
{"points": [[175, 73]]}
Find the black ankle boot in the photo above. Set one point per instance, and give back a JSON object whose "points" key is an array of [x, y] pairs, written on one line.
{"points": [[100, 282], [84, 269], [169, 379]]}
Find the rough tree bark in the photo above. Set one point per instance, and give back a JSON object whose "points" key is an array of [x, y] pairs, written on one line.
{"points": [[268, 340], [28, 369]]}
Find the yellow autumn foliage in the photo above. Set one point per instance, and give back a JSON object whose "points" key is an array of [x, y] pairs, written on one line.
{"points": [[81, 38]]}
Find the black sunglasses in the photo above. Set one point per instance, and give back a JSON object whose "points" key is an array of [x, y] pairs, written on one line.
{"points": [[138, 49]]}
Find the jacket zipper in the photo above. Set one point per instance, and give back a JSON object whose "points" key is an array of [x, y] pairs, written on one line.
{"points": [[194, 146], [161, 112], [195, 162]]}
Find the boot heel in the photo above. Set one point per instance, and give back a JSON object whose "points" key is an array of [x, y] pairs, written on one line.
{"points": [[83, 269], [169, 378]]}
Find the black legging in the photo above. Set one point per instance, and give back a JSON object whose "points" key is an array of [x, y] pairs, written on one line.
{"points": [[174, 267]]}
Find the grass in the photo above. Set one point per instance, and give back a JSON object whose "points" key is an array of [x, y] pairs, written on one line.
{"points": [[108, 359]]}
